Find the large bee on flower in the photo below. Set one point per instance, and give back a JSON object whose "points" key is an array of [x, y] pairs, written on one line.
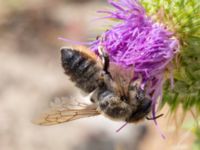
{"points": [[114, 92]]}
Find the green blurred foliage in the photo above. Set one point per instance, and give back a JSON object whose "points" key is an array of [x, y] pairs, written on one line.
{"points": [[196, 144]]}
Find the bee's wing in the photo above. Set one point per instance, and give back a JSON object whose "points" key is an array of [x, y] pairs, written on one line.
{"points": [[69, 112], [122, 76]]}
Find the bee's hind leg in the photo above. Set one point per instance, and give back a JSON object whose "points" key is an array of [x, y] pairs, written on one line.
{"points": [[104, 58]]}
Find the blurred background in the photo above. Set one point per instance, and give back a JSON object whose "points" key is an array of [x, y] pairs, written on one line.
{"points": [[31, 76]]}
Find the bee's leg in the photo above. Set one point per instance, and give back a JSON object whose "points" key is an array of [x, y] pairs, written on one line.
{"points": [[104, 58], [107, 78], [134, 89]]}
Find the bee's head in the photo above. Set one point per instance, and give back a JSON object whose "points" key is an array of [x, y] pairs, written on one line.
{"points": [[140, 102], [141, 111]]}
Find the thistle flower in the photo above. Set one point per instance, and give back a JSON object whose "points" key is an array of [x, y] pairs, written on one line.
{"points": [[136, 40]]}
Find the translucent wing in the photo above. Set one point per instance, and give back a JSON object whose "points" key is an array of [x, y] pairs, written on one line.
{"points": [[122, 76], [66, 112]]}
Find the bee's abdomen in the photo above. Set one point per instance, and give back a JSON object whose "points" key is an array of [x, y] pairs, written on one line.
{"points": [[82, 69]]}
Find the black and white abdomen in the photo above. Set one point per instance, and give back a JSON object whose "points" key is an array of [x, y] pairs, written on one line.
{"points": [[82, 69]]}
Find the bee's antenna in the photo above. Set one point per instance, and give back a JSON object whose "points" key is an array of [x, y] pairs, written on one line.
{"points": [[122, 127], [156, 117]]}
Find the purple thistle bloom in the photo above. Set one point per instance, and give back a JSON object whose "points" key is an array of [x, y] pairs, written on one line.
{"points": [[136, 40]]}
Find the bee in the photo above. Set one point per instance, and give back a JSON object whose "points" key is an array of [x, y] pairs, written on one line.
{"points": [[114, 92]]}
